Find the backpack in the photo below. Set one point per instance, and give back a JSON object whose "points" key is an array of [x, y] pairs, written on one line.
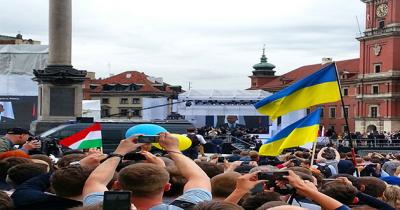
{"points": [[325, 170], [195, 140]]}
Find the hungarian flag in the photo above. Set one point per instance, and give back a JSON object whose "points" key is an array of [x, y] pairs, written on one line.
{"points": [[84, 139]]}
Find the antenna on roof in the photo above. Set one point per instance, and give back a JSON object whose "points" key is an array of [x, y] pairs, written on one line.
{"points": [[359, 28]]}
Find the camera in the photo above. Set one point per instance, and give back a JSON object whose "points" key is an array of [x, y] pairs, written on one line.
{"points": [[148, 139], [221, 159], [296, 162]]}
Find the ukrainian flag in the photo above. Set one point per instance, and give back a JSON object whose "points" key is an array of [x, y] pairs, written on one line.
{"points": [[297, 134], [318, 88]]}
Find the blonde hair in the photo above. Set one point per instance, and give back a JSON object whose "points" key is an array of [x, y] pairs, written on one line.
{"points": [[391, 195], [397, 173]]}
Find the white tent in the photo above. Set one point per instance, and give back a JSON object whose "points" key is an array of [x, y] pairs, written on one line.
{"points": [[16, 68]]}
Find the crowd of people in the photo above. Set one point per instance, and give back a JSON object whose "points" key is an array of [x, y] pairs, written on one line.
{"points": [[133, 178]]}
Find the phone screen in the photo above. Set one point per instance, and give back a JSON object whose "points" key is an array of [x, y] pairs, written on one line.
{"points": [[148, 139], [120, 200]]}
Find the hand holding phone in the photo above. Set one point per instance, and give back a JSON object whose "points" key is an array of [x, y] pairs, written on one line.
{"points": [[148, 139]]}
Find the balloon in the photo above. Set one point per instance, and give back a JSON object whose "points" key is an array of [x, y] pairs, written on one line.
{"points": [[183, 144], [145, 129]]}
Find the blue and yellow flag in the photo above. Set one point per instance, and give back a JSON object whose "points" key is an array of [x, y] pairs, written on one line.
{"points": [[297, 134], [318, 88]]}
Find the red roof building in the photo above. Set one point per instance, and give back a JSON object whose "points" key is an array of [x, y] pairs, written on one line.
{"points": [[370, 84], [122, 95]]}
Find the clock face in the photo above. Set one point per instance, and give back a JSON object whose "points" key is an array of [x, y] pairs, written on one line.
{"points": [[382, 10]]}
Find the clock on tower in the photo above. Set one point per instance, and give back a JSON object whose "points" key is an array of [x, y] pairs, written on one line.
{"points": [[382, 10]]}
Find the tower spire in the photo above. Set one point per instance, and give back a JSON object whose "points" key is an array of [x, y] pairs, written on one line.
{"points": [[263, 58]]}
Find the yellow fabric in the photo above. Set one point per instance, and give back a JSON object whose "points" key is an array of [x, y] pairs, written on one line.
{"points": [[303, 98], [298, 137]]}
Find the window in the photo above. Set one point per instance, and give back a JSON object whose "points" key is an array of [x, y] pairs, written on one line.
{"points": [[135, 100], [381, 24], [332, 112], [123, 112], [373, 111], [105, 100], [346, 111], [135, 113], [322, 112], [105, 112], [308, 111], [375, 89], [124, 101], [377, 68], [345, 91]]}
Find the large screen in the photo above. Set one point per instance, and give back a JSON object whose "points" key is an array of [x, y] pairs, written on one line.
{"points": [[17, 111]]}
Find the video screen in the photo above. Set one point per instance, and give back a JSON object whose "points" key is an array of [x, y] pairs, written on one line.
{"points": [[234, 121], [17, 111]]}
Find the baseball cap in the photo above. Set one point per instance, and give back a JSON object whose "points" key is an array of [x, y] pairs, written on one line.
{"points": [[18, 131]]}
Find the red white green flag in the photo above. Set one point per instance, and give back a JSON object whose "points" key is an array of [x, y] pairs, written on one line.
{"points": [[88, 138]]}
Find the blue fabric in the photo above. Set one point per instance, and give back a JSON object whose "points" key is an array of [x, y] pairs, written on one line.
{"points": [[393, 180], [343, 207], [326, 74]]}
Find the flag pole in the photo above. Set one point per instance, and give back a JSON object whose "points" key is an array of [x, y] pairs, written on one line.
{"points": [[345, 115], [313, 153]]}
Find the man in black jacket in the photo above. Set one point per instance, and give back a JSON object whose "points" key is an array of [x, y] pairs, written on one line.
{"points": [[67, 183]]}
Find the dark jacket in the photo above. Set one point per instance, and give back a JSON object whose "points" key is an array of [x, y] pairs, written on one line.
{"points": [[31, 195]]}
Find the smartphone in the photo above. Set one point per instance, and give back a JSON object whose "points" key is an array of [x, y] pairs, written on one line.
{"points": [[245, 163], [134, 156], [148, 139], [324, 181], [221, 159], [258, 188], [120, 200], [272, 176]]}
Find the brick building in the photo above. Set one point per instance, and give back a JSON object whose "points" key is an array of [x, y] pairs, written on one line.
{"points": [[370, 84], [122, 95]]}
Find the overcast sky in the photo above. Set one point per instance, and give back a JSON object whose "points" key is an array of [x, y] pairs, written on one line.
{"points": [[210, 43]]}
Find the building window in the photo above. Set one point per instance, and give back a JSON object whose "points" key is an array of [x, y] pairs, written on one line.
{"points": [[123, 112], [135, 100], [375, 89], [332, 112], [322, 112], [381, 24], [373, 111], [345, 91], [105, 112], [135, 113], [345, 112], [105, 100], [377, 68], [124, 101], [308, 111]]}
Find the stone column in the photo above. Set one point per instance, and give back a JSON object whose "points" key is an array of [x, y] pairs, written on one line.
{"points": [[60, 85], [60, 31]]}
